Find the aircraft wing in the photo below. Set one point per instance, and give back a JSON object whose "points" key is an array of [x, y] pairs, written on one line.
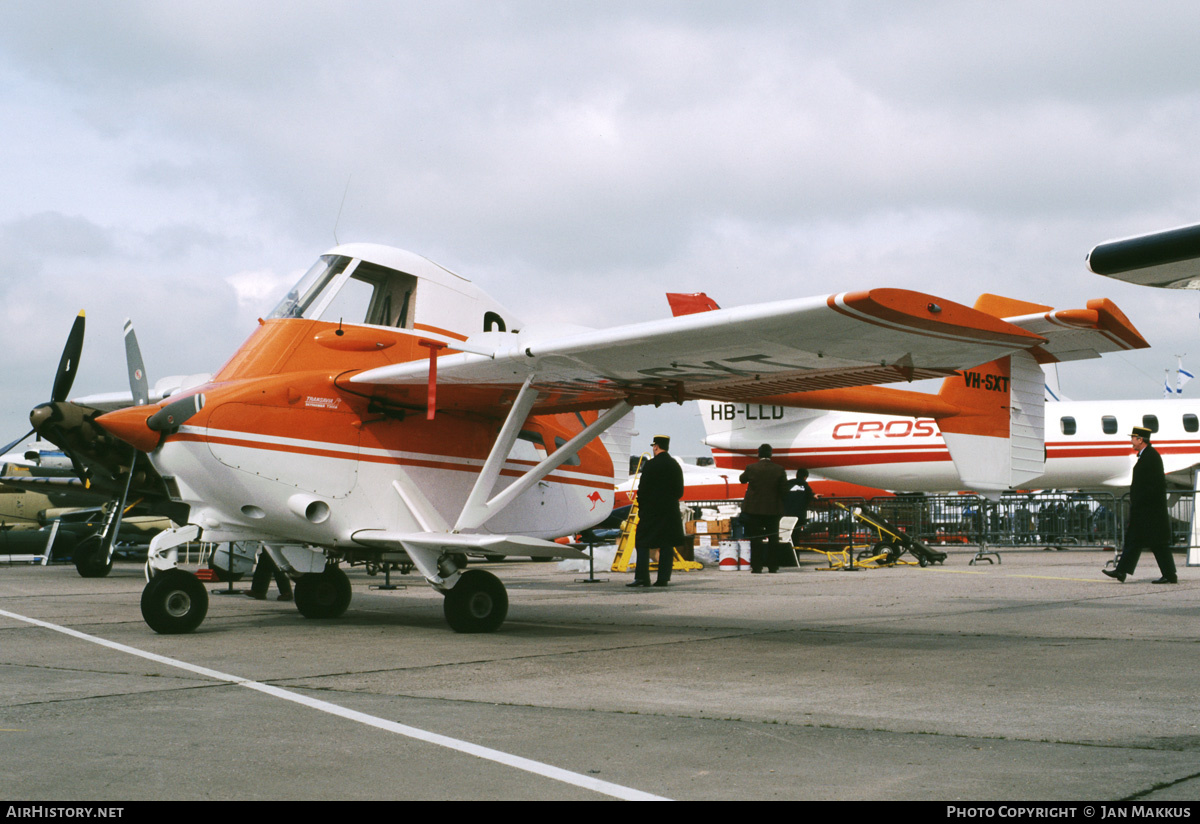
{"points": [[163, 389], [52, 485], [1076, 334], [848, 339], [1170, 259]]}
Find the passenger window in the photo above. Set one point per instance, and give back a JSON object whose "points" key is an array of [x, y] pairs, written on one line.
{"points": [[1191, 423], [534, 438], [1150, 422], [1109, 424], [571, 461], [1068, 426]]}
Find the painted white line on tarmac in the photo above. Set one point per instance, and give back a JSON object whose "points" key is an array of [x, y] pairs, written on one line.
{"points": [[507, 759]]}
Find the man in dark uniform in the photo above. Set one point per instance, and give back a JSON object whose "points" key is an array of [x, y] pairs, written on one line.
{"points": [[799, 496], [261, 582], [659, 525], [767, 484], [1149, 524]]}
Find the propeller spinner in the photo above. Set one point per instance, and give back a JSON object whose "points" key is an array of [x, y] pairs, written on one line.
{"points": [[64, 378]]}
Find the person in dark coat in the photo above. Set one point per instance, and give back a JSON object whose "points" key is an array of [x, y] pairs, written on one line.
{"points": [[795, 504], [1149, 523], [767, 485], [659, 525], [264, 570]]}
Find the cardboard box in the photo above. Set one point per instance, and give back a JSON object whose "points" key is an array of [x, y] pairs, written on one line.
{"points": [[711, 527]]}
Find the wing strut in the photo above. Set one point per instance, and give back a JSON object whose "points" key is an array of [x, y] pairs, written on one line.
{"points": [[478, 510]]}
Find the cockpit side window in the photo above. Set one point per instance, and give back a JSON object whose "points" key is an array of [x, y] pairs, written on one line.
{"points": [[378, 296], [352, 301], [309, 288], [338, 289]]}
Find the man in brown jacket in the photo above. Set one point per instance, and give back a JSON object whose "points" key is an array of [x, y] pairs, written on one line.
{"points": [[767, 484]]}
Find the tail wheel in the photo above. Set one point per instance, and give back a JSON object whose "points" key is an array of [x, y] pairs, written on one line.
{"points": [[323, 594], [478, 603], [91, 559], [174, 602]]}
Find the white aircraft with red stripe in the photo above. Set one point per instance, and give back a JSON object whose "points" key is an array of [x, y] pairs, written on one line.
{"points": [[714, 483], [1087, 444], [988, 429], [388, 410]]}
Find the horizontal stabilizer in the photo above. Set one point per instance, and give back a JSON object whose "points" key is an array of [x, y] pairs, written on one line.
{"points": [[470, 543]]}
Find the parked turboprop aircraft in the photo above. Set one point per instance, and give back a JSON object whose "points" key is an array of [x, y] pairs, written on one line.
{"points": [[999, 408], [389, 410], [1086, 444]]}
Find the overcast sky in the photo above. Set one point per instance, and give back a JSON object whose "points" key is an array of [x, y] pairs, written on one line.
{"points": [[181, 163]]}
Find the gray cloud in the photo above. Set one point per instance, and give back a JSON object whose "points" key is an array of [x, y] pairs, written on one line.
{"points": [[577, 159]]}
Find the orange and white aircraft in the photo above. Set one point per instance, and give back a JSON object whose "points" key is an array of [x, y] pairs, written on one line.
{"points": [[988, 429], [389, 410]]}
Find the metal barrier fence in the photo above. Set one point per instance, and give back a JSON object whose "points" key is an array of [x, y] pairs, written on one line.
{"points": [[1034, 519]]}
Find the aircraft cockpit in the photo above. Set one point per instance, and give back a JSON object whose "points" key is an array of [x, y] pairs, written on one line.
{"points": [[366, 284], [343, 289]]}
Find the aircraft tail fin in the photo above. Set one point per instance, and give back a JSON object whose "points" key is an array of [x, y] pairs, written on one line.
{"points": [[997, 439], [690, 303]]}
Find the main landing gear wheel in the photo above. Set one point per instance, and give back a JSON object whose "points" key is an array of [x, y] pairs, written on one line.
{"points": [[91, 560], [323, 594], [174, 602], [478, 603]]}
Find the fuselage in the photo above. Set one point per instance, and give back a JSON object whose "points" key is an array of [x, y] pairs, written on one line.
{"points": [[285, 449], [1087, 443]]}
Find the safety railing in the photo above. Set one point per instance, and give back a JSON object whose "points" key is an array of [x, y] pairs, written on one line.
{"points": [[1057, 519]]}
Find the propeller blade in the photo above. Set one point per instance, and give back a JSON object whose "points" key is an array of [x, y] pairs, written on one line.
{"points": [[69, 363], [175, 414], [138, 384], [13, 445]]}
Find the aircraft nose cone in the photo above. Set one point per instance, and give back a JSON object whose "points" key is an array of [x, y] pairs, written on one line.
{"points": [[130, 426]]}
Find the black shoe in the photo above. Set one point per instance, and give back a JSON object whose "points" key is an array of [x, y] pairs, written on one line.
{"points": [[1166, 580], [1112, 573], [284, 598], [256, 596], [660, 583], [639, 584]]}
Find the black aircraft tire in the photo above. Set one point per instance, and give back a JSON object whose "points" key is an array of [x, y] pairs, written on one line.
{"points": [[91, 561], [323, 594], [478, 603], [174, 602]]}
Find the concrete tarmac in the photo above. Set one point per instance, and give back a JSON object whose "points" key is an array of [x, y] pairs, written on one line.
{"points": [[1035, 678]]}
